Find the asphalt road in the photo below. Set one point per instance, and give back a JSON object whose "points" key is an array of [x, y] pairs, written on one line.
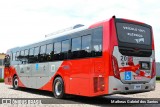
{"points": [[7, 91]]}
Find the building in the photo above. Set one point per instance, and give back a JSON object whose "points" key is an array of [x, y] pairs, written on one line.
{"points": [[2, 56], [158, 68]]}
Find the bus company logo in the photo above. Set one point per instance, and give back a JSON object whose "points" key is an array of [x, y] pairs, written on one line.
{"points": [[139, 40], [6, 101]]}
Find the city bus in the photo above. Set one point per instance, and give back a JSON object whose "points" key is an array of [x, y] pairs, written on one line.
{"points": [[114, 56]]}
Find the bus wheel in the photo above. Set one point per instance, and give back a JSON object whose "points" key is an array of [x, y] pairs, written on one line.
{"points": [[58, 88], [15, 83]]}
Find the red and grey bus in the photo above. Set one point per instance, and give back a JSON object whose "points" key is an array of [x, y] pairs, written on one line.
{"points": [[109, 57]]}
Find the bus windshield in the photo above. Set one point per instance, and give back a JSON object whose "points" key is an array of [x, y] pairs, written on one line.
{"points": [[133, 33]]}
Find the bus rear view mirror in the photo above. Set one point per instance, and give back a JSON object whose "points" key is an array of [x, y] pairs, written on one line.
{"points": [[7, 61]]}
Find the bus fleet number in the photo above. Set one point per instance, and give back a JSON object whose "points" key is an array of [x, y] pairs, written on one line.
{"points": [[124, 60]]}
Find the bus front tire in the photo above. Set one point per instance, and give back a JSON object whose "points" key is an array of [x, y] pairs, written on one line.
{"points": [[15, 83], [58, 88]]}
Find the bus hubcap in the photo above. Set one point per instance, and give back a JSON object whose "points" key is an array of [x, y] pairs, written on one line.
{"points": [[58, 88], [16, 83]]}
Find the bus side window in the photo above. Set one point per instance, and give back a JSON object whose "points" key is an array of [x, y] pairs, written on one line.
{"points": [[65, 49], [97, 42], [31, 55], [42, 53], [86, 46], [26, 52], [22, 54], [76, 47], [57, 51], [49, 52], [26, 56], [36, 54], [17, 55], [14, 56], [43, 49]]}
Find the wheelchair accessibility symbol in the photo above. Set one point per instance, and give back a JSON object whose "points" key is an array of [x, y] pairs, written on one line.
{"points": [[128, 75]]}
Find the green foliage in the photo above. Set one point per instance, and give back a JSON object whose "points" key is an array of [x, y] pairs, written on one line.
{"points": [[157, 77], [1, 80]]}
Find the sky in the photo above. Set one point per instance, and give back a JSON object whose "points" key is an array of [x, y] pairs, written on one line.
{"points": [[26, 21]]}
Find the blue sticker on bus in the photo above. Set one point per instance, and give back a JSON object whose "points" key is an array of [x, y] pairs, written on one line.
{"points": [[128, 75], [37, 66]]}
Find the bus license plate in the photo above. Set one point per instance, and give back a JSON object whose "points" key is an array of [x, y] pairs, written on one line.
{"points": [[137, 87]]}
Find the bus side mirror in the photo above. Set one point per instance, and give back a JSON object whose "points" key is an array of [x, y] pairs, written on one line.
{"points": [[7, 61]]}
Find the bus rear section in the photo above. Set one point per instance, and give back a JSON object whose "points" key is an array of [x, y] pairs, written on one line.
{"points": [[133, 57]]}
